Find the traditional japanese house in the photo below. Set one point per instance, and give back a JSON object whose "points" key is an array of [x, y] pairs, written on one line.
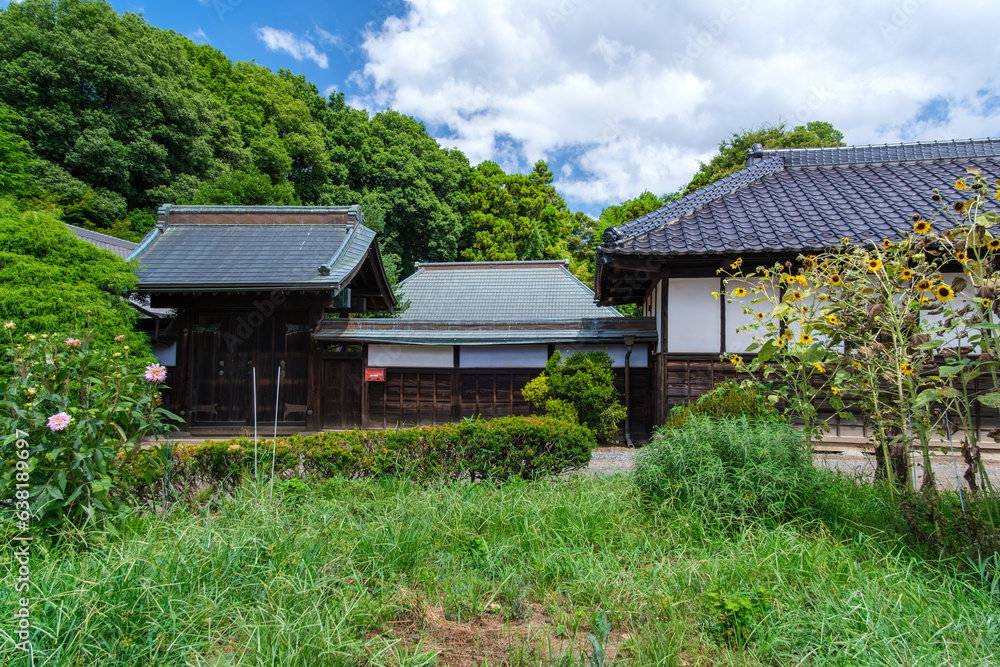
{"points": [[470, 337], [249, 286], [783, 203]]}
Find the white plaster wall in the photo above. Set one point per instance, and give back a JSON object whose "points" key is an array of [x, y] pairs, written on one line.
{"points": [[166, 354], [616, 352], [694, 317], [417, 356], [739, 341], [965, 296], [503, 356]]}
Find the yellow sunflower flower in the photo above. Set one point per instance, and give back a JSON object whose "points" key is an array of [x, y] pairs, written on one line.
{"points": [[874, 265], [818, 367], [886, 243], [835, 279], [944, 293], [735, 360], [923, 285], [740, 292], [831, 318], [805, 339], [960, 184], [961, 257], [922, 227], [796, 295], [994, 244], [906, 369], [906, 274]]}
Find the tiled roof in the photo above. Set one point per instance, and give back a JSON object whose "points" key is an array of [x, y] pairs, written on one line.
{"points": [[230, 248], [489, 292], [118, 246], [807, 199]]}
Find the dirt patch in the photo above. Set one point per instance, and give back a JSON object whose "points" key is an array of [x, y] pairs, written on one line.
{"points": [[492, 638]]}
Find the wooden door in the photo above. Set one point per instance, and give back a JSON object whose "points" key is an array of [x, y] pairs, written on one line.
{"points": [[342, 393]]}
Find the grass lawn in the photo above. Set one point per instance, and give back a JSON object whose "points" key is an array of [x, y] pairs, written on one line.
{"points": [[387, 572]]}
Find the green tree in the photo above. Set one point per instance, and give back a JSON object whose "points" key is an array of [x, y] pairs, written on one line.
{"points": [[52, 282], [580, 390], [245, 188], [732, 151], [15, 157]]}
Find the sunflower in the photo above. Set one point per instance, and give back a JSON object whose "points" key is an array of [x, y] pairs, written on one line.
{"points": [[994, 244], [923, 285], [735, 360], [960, 184], [986, 303], [874, 265], [961, 257], [805, 339], [835, 279], [796, 295], [831, 318], [907, 274], [740, 292], [716, 295], [944, 293], [802, 281], [819, 367], [856, 364], [886, 243], [780, 342], [737, 263], [834, 391], [847, 240], [824, 266], [906, 369], [788, 334], [922, 227]]}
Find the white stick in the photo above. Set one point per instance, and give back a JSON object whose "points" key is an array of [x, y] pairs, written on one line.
{"points": [[253, 372], [274, 442]]}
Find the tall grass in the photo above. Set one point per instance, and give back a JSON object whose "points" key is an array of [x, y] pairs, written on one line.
{"points": [[333, 575]]}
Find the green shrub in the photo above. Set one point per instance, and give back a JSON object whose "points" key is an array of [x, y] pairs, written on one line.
{"points": [[731, 469], [729, 400], [524, 447], [69, 413], [580, 390]]}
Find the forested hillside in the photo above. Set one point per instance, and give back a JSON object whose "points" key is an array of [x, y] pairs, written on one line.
{"points": [[120, 117]]}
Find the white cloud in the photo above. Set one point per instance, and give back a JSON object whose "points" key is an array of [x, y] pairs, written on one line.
{"points": [[299, 48], [629, 96], [199, 36]]}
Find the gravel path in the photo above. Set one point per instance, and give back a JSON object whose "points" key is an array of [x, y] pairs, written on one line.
{"points": [[616, 460]]}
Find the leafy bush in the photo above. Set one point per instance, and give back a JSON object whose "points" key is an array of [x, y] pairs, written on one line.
{"points": [[729, 400], [581, 391], [732, 469], [524, 447], [51, 282], [66, 415]]}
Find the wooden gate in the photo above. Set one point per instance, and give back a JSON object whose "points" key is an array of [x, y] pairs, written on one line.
{"points": [[342, 383]]}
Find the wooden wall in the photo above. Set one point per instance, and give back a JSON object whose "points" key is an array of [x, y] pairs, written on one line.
{"points": [[426, 397]]}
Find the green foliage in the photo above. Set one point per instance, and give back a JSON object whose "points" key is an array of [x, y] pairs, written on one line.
{"points": [[729, 400], [245, 188], [499, 449], [516, 216], [106, 406], [52, 282], [581, 390], [732, 151], [15, 157], [735, 470]]}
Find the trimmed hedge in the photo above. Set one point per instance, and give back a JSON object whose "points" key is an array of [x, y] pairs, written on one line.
{"points": [[525, 447]]}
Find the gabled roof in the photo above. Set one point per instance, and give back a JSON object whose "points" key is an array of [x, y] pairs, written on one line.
{"points": [[227, 248], [490, 303], [498, 292], [118, 246], [805, 199]]}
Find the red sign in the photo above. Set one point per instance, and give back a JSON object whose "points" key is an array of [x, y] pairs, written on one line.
{"points": [[374, 375]]}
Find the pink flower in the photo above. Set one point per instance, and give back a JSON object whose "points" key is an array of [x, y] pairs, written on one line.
{"points": [[120, 337], [156, 373], [73, 342], [59, 421]]}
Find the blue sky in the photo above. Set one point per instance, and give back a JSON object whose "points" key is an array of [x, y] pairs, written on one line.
{"points": [[622, 96]]}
